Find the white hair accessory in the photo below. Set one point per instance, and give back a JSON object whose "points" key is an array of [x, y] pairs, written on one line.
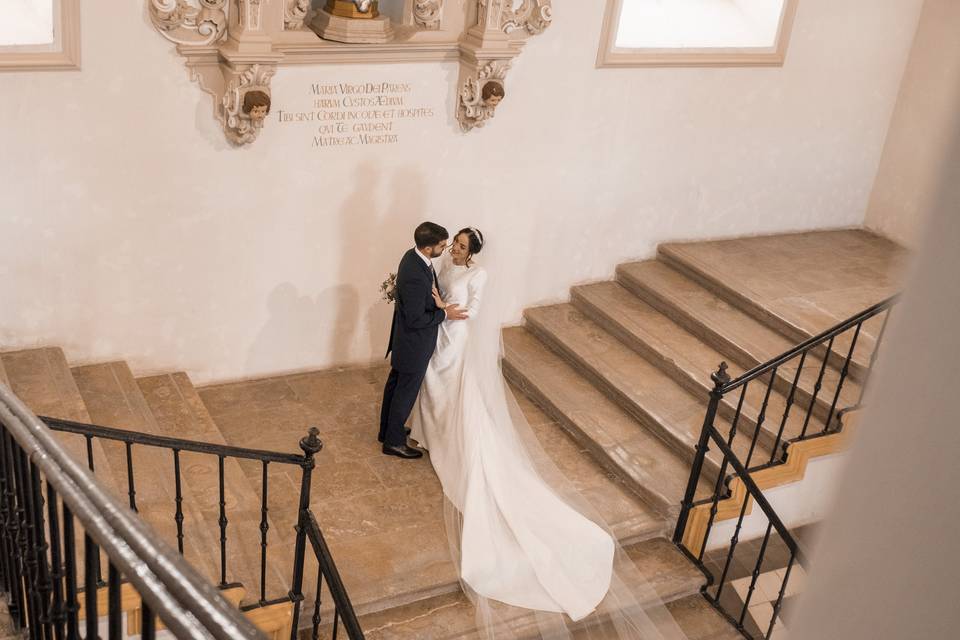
{"points": [[476, 233]]}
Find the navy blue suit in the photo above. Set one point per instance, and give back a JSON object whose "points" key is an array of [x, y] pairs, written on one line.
{"points": [[413, 337]]}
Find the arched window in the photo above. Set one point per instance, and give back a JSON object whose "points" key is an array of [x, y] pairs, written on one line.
{"points": [[39, 34], [695, 32]]}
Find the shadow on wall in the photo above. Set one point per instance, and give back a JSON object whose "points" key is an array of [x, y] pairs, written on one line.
{"points": [[333, 327]]}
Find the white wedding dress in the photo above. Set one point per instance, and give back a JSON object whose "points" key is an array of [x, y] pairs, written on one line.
{"points": [[521, 543]]}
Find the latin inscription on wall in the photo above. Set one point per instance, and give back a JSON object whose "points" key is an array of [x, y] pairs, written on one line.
{"points": [[343, 114]]}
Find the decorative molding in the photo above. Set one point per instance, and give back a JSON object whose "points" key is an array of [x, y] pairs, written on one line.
{"points": [[296, 14], [233, 47], [427, 13], [184, 23], [532, 16], [62, 55], [242, 120], [473, 109], [610, 55]]}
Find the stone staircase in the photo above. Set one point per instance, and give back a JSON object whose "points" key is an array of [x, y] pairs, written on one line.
{"points": [[614, 384]]}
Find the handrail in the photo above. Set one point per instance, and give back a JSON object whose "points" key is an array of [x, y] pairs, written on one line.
{"points": [[190, 606], [150, 440], [343, 609], [807, 344]]}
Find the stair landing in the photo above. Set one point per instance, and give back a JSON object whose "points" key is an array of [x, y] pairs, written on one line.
{"points": [[383, 516]]}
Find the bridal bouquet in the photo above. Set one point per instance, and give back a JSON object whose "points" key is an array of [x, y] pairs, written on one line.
{"points": [[388, 289]]}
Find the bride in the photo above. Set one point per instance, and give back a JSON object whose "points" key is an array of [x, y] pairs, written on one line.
{"points": [[516, 534]]}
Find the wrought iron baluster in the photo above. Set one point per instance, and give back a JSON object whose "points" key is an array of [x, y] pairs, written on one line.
{"points": [[27, 542], [90, 585], [310, 445], [755, 574], [72, 605], [723, 471], [316, 602], [148, 623], [57, 616], [843, 377], [10, 535], [336, 622], [8, 573], [178, 500], [734, 540], [44, 583], [816, 390], [90, 465], [131, 488], [760, 418], [779, 602], [264, 527], [223, 525], [786, 410], [114, 611]]}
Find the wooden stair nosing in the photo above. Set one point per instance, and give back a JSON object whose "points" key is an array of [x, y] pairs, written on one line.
{"points": [[669, 254], [689, 380], [713, 334]]}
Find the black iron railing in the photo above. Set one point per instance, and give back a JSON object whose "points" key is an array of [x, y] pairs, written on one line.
{"points": [[47, 503], [734, 480], [52, 558]]}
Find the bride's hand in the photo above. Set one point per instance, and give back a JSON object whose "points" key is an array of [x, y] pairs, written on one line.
{"points": [[436, 298]]}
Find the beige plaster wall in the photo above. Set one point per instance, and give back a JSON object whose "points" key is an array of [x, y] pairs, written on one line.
{"points": [[886, 565], [919, 130], [130, 229]]}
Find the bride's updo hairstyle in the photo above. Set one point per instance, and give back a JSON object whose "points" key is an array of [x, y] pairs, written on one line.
{"points": [[474, 241]]}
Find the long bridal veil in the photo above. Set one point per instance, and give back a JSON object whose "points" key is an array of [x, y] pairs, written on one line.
{"points": [[630, 609]]}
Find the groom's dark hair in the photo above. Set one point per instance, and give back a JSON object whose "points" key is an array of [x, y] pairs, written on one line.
{"points": [[429, 234]]}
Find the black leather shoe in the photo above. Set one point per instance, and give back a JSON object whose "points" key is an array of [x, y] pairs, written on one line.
{"points": [[406, 432], [402, 451]]}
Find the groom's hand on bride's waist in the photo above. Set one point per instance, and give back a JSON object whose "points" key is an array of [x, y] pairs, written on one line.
{"points": [[454, 312]]}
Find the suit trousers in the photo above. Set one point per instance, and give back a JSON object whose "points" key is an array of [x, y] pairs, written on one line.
{"points": [[399, 395]]}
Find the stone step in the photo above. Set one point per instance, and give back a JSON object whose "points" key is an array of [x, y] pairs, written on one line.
{"points": [[688, 360], [114, 399], [636, 384], [799, 284], [41, 378], [180, 413], [616, 440], [739, 336], [452, 617]]}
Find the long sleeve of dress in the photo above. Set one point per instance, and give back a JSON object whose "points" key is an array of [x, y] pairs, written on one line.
{"points": [[475, 292]]}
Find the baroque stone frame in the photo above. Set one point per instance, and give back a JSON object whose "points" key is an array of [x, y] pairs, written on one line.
{"points": [[222, 40]]}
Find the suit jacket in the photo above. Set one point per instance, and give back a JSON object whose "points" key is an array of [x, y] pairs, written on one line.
{"points": [[416, 317]]}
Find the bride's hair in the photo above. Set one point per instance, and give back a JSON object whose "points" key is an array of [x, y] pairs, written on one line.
{"points": [[474, 238]]}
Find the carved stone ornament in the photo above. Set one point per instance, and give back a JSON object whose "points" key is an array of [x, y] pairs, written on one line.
{"points": [[480, 96], [242, 115], [426, 13], [533, 16], [250, 13], [296, 13], [194, 22]]}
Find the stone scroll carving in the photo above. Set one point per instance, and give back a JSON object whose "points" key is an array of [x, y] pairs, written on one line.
{"points": [[234, 47], [427, 13], [532, 16], [246, 103], [200, 22], [295, 15]]}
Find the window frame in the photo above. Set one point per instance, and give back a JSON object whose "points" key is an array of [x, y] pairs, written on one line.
{"points": [[62, 55], [610, 55]]}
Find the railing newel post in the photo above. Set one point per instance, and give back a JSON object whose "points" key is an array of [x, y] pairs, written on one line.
{"points": [[311, 446], [720, 379]]}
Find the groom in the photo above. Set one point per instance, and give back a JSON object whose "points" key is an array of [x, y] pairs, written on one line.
{"points": [[416, 321]]}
